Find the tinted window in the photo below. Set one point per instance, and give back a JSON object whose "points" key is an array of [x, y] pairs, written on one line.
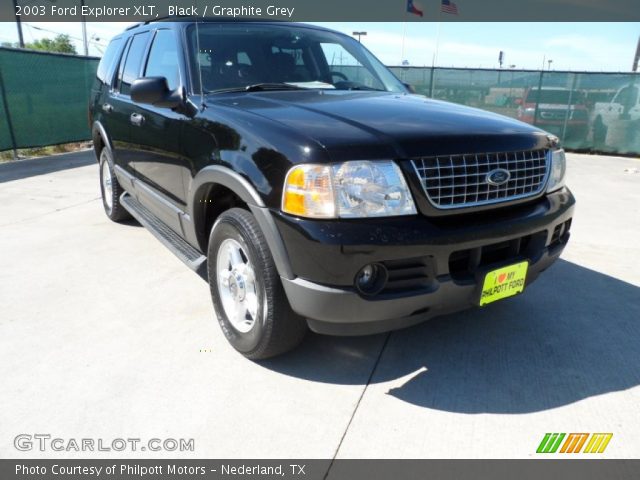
{"points": [[107, 64], [132, 65], [235, 55], [163, 58]]}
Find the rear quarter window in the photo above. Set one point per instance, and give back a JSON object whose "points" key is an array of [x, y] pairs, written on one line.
{"points": [[107, 64]]}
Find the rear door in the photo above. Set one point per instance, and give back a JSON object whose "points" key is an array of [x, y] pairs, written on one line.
{"points": [[120, 107]]}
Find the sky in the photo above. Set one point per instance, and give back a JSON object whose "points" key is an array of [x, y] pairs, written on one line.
{"points": [[570, 46]]}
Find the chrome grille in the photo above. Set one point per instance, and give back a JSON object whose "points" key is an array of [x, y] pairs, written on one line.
{"points": [[458, 181]]}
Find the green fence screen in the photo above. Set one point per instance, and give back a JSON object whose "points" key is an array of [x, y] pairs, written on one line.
{"points": [[43, 98], [588, 111]]}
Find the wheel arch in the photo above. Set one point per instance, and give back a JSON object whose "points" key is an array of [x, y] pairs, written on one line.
{"points": [[100, 139], [217, 188]]}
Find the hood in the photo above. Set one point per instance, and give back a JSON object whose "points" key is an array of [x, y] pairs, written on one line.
{"points": [[370, 125]]}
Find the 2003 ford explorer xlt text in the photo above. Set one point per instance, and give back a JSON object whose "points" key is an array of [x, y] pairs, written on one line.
{"points": [[289, 165]]}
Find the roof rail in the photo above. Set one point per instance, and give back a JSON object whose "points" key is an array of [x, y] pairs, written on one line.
{"points": [[167, 17]]}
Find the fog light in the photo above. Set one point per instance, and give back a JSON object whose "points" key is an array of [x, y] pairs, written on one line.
{"points": [[371, 279]]}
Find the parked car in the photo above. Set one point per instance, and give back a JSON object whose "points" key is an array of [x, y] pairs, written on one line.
{"points": [[560, 111], [312, 199], [625, 105]]}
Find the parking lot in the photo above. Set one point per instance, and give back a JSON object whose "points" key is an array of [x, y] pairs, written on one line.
{"points": [[105, 334]]}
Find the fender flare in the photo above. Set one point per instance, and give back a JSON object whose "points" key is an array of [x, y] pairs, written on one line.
{"points": [[98, 128], [220, 175]]}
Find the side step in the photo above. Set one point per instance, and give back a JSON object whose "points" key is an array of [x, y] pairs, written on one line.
{"points": [[180, 248]]}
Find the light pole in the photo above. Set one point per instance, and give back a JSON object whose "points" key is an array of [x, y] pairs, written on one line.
{"points": [[84, 31], [549, 62], [18, 24], [359, 34], [84, 27]]}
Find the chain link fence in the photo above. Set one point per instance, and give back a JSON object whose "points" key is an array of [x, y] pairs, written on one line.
{"points": [[588, 111], [43, 98]]}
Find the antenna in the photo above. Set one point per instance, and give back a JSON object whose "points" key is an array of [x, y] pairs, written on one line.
{"points": [[199, 67]]}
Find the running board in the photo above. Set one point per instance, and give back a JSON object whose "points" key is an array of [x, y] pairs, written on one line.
{"points": [[170, 239]]}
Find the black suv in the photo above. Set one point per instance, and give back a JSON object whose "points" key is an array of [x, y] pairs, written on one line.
{"points": [[289, 166]]}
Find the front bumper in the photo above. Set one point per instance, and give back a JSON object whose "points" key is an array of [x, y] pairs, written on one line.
{"points": [[326, 256]]}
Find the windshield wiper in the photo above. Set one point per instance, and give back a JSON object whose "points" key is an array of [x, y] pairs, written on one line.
{"points": [[272, 86], [260, 87], [364, 87]]}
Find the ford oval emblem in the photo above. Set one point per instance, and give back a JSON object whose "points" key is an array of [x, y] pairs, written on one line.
{"points": [[498, 177]]}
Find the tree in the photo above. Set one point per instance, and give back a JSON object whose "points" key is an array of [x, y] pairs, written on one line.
{"points": [[61, 44]]}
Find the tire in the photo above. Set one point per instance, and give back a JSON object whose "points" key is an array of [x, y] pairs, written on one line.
{"points": [[247, 294], [111, 189]]}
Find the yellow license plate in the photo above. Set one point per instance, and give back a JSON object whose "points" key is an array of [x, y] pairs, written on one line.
{"points": [[503, 282]]}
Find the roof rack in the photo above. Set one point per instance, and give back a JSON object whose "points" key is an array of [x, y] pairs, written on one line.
{"points": [[167, 17]]}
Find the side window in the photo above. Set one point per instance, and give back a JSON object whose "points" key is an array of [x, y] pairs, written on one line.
{"points": [[243, 59], [346, 67], [163, 59], [120, 67], [623, 96], [132, 64], [108, 61]]}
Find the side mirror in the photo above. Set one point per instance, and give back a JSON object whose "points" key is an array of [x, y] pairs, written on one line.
{"points": [[155, 91], [410, 87]]}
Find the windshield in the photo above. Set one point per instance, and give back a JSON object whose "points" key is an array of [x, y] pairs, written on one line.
{"points": [[241, 56]]}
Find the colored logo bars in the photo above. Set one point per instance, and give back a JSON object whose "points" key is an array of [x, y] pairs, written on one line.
{"points": [[574, 442]]}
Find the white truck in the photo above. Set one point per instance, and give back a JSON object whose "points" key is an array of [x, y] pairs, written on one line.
{"points": [[623, 109]]}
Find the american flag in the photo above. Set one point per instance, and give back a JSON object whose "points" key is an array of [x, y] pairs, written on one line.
{"points": [[449, 7]]}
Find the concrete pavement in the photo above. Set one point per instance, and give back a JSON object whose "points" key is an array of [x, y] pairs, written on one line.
{"points": [[105, 334]]}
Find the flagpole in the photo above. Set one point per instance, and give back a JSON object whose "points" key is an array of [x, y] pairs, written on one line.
{"points": [[435, 53], [404, 34]]}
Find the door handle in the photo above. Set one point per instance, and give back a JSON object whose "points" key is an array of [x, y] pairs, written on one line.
{"points": [[136, 119], [107, 107]]}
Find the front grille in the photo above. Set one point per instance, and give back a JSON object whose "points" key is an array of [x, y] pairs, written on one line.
{"points": [[458, 181]]}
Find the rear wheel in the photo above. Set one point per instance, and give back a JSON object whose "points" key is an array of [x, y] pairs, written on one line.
{"points": [[111, 189], [247, 294]]}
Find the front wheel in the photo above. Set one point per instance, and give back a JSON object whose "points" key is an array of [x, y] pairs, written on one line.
{"points": [[247, 294]]}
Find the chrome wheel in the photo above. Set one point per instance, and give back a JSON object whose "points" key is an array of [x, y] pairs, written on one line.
{"points": [[237, 285], [107, 184]]}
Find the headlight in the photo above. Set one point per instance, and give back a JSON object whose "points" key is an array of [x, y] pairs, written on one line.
{"points": [[347, 190], [558, 171]]}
